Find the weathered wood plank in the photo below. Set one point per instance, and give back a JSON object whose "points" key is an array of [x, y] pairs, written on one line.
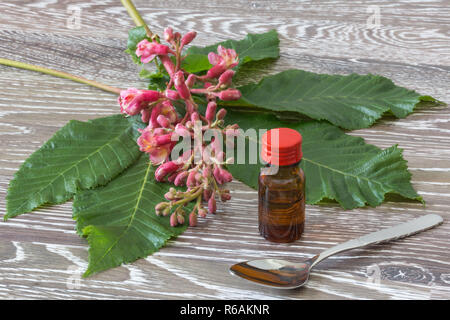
{"points": [[40, 254]]}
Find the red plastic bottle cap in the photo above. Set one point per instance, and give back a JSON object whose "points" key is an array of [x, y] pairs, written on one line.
{"points": [[281, 146]]}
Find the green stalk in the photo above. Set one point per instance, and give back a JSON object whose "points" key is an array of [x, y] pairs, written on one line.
{"points": [[134, 14], [59, 74]]}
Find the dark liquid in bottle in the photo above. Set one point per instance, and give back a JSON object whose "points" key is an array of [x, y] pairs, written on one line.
{"points": [[282, 204]]}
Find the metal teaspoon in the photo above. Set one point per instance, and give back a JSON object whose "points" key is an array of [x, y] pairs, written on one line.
{"points": [[288, 275]]}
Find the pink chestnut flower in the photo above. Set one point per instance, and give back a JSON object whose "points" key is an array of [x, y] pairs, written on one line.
{"points": [[223, 60], [132, 100], [149, 50], [165, 169], [229, 57], [158, 143], [165, 109], [181, 86]]}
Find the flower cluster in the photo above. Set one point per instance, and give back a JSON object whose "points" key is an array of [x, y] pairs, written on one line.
{"points": [[202, 168]]}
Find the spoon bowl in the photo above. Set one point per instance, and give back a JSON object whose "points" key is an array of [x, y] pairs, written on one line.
{"points": [[273, 272], [283, 274]]}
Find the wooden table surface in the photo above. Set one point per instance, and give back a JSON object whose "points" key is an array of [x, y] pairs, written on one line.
{"points": [[42, 257]]}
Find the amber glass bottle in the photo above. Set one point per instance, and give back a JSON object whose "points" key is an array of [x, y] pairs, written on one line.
{"points": [[281, 186]]}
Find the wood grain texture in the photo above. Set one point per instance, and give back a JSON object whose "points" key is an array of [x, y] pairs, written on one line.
{"points": [[42, 257]]}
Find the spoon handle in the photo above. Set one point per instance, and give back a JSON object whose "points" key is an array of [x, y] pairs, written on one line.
{"points": [[401, 231]]}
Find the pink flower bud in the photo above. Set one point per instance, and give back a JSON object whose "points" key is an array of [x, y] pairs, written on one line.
{"points": [[191, 80], [212, 204], [192, 219], [172, 94], [181, 87], [210, 111], [168, 34], [161, 206], [189, 106], [168, 110], [172, 177], [163, 121], [180, 180], [165, 169], [225, 197], [221, 114], [216, 71], [229, 94], [206, 172], [226, 77], [195, 117], [165, 139], [168, 64], [217, 175], [207, 194], [132, 100], [188, 37], [180, 218], [145, 115], [166, 211], [169, 196], [182, 130], [156, 111], [191, 181], [198, 178], [202, 213], [177, 36], [226, 175], [149, 50], [173, 220]]}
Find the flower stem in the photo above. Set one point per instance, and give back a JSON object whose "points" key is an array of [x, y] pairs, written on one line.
{"points": [[59, 74], [134, 14]]}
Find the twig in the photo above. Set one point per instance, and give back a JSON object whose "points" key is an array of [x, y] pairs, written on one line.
{"points": [[134, 14], [59, 74]]}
